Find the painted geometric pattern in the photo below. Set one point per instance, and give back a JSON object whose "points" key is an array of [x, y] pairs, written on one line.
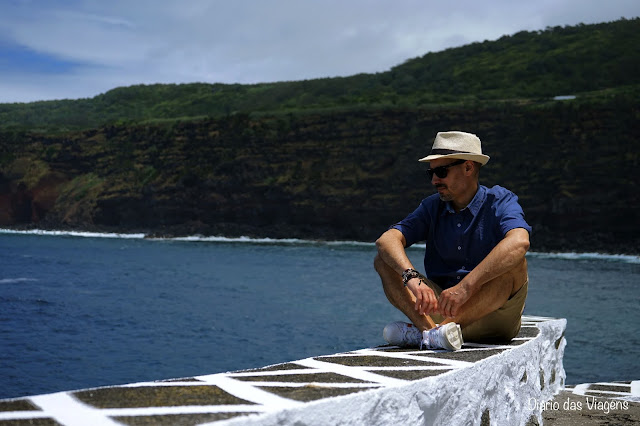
{"points": [[216, 397], [623, 391]]}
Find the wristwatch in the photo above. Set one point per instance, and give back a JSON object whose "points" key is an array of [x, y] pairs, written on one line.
{"points": [[409, 274]]}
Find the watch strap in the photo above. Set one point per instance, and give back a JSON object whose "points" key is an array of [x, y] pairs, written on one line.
{"points": [[409, 274]]}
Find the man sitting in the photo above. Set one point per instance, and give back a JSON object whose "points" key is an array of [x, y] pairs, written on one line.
{"points": [[476, 279]]}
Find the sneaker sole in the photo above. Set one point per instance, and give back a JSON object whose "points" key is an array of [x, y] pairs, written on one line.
{"points": [[453, 336]]}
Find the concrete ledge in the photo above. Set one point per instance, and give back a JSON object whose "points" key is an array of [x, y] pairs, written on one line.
{"points": [[479, 384], [611, 403]]}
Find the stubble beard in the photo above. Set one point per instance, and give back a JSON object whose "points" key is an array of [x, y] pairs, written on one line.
{"points": [[444, 196]]}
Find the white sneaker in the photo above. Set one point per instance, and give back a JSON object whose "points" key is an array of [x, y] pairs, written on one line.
{"points": [[448, 336], [402, 334]]}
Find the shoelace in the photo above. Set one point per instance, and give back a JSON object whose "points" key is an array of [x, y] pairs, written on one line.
{"points": [[426, 342], [408, 335]]}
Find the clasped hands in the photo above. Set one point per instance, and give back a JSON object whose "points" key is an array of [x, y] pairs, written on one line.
{"points": [[448, 304]]}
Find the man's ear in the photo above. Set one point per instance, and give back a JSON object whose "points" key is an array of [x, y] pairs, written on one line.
{"points": [[469, 166]]}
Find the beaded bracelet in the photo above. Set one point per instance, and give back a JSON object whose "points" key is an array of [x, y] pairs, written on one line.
{"points": [[409, 274]]}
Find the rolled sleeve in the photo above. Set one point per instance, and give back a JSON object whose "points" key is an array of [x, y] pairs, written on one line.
{"points": [[415, 226], [510, 214]]}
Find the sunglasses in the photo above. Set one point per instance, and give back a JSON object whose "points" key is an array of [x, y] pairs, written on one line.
{"points": [[442, 171]]}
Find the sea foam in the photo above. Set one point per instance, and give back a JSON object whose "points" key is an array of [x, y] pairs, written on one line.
{"points": [[625, 258]]}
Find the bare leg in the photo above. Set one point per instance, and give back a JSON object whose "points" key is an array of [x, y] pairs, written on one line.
{"points": [[400, 296], [491, 296]]}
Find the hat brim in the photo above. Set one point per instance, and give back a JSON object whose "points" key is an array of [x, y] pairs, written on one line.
{"points": [[480, 158]]}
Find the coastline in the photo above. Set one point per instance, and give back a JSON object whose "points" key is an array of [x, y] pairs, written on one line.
{"points": [[568, 255], [268, 243]]}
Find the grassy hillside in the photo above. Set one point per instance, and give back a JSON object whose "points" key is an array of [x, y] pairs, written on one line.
{"points": [[336, 158], [533, 65], [346, 175]]}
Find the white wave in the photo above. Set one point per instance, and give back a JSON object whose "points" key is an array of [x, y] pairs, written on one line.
{"points": [[351, 243], [217, 239], [625, 258], [190, 238], [71, 233], [296, 241], [252, 240], [16, 280]]}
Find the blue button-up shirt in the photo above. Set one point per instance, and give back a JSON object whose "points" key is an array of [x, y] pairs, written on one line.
{"points": [[457, 242]]}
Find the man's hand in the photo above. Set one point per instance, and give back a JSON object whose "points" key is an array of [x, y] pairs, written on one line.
{"points": [[505, 256], [452, 299], [426, 301]]}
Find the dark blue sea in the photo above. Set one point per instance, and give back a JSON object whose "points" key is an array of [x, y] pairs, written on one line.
{"points": [[85, 310]]}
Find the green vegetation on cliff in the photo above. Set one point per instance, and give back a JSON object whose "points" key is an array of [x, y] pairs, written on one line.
{"points": [[535, 65], [336, 158]]}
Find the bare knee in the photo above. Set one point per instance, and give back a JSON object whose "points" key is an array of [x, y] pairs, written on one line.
{"points": [[519, 276], [388, 276], [508, 284], [379, 265], [391, 281]]}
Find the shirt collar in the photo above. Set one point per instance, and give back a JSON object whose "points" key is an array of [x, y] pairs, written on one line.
{"points": [[474, 205]]}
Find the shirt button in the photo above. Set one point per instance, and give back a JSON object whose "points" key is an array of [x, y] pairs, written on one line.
{"points": [[459, 225], [459, 248], [458, 277]]}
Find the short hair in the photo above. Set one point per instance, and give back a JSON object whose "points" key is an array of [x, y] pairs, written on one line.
{"points": [[476, 168]]}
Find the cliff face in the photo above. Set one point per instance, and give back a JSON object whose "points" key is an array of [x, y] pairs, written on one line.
{"points": [[346, 175]]}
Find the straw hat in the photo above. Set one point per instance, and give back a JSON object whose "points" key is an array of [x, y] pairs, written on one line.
{"points": [[461, 145]]}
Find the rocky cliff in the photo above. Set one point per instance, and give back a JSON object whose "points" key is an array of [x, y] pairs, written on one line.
{"points": [[332, 175]]}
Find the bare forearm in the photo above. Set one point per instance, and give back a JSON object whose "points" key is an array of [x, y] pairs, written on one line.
{"points": [[504, 256], [391, 248]]}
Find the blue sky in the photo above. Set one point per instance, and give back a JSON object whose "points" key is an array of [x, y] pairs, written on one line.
{"points": [[70, 49]]}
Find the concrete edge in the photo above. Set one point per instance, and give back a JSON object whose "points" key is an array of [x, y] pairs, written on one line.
{"points": [[480, 384], [495, 390]]}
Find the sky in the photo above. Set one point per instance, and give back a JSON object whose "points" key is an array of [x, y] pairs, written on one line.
{"points": [[71, 49]]}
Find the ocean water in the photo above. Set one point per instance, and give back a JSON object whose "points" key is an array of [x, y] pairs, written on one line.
{"points": [[86, 310]]}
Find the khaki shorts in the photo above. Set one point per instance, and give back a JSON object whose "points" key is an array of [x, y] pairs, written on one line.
{"points": [[497, 327]]}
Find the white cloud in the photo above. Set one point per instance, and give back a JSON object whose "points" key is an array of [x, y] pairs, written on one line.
{"points": [[119, 42]]}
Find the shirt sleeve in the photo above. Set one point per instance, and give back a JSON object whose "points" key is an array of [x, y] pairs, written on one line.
{"points": [[510, 213], [415, 226]]}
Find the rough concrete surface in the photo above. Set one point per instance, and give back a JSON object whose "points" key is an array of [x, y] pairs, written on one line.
{"points": [[480, 384], [616, 403]]}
